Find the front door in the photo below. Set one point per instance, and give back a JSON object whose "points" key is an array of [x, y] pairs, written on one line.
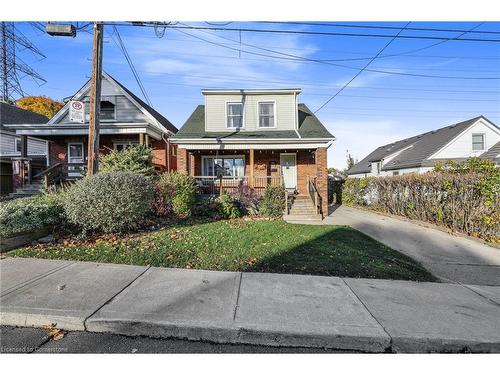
{"points": [[76, 159], [289, 171]]}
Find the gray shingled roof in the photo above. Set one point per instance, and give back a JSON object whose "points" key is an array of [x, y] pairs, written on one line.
{"points": [[10, 114], [414, 150], [493, 153], [309, 127]]}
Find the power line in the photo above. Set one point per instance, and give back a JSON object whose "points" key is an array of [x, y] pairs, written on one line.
{"points": [[131, 65], [296, 57], [302, 32], [328, 24], [361, 70]]}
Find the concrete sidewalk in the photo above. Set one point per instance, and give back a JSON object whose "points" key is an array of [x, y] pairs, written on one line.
{"points": [[251, 308], [449, 257]]}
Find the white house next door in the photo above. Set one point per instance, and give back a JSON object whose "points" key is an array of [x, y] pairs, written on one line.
{"points": [[289, 170]]}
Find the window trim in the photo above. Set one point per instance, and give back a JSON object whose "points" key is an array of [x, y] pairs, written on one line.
{"points": [[274, 114], [242, 114], [484, 141], [112, 100], [20, 145], [204, 157]]}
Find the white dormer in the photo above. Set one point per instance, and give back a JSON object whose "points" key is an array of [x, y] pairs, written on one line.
{"points": [[250, 110]]}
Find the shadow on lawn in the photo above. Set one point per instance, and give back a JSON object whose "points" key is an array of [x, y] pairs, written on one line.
{"points": [[345, 252]]}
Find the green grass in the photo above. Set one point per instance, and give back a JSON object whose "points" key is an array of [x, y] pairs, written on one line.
{"points": [[238, 245]]}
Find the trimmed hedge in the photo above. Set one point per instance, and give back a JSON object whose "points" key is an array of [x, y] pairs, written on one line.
{"points": [[30, 214], [464, 202], [109, 202]]}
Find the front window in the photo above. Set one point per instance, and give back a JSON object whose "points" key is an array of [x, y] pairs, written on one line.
{"points": [[231, 166], [18, 144], [477, 142], [120, 146], [234, 115], [107, 110], [266, 115]]}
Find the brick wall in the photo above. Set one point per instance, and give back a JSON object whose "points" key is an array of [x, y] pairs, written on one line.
{"points": [[322, 177], [182, 160]]}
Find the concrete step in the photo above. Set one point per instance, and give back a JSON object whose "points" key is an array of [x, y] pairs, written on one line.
{"points": [[303, 217]]}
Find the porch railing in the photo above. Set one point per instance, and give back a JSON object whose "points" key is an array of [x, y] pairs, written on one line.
{"points": [[60, 172], [212, 185], [314, 194]]}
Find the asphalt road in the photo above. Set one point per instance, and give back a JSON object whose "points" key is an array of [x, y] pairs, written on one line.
{"points": [[35, 340]]}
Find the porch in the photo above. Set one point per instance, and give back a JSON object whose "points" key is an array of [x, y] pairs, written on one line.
{"points": [[302, 171]]}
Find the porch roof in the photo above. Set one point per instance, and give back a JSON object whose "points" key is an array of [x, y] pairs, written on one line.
{"points": [[309, 128]]}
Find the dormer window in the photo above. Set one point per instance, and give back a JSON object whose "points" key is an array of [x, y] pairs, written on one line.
{"points": [[267, 115], [107, 110], [234, 112], [477, 142]]}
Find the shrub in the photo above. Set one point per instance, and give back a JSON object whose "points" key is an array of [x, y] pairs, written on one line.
{"points": [[30, 214], [247, 200], [207, 207], [272, 203], [178, 192], [227, 207], [109, 202], [136, 159], [462, 201]]}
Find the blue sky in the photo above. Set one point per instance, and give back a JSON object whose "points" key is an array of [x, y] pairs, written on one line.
{"points": [[375, 109]]}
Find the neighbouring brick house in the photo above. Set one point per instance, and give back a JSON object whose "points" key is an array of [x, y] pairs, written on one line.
{"points": [[256, 138], [125, 120]]}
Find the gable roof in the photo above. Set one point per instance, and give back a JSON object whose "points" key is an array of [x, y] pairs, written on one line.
{"points": [[157, 117], [492, 153], [309, 127], [414, 150], [10, 114]]}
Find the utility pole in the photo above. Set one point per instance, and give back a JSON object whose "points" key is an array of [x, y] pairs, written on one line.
{"points": [[95, 101]]}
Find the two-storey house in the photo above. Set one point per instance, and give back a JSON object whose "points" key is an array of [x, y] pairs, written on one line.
{"points": [[125, 120], [477, 137], [255, 138]]}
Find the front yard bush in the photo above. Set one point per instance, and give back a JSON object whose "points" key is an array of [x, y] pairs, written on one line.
{"points": [[227, 207], [109, 202], [463, 200], [272, 203], [136, 159], [247, 200], [177, 194], [30, 214]]}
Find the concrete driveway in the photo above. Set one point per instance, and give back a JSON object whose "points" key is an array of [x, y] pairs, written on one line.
{"points": [[449, 257]]}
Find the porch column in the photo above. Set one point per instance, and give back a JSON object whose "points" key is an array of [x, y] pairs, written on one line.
{"points": [[251, 182], [322, 178], [182, 160], [146, 140], [24, 146], [141, 138]]}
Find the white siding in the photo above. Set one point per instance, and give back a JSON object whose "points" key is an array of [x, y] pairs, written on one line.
{"points": [[461, 147], [215, 111], [8, 145]]}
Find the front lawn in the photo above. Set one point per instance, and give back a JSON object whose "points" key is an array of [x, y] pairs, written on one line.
{"points": [[239, 245]]}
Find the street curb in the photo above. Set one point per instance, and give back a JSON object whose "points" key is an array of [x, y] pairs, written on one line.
{"points": [[239, 334]]}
